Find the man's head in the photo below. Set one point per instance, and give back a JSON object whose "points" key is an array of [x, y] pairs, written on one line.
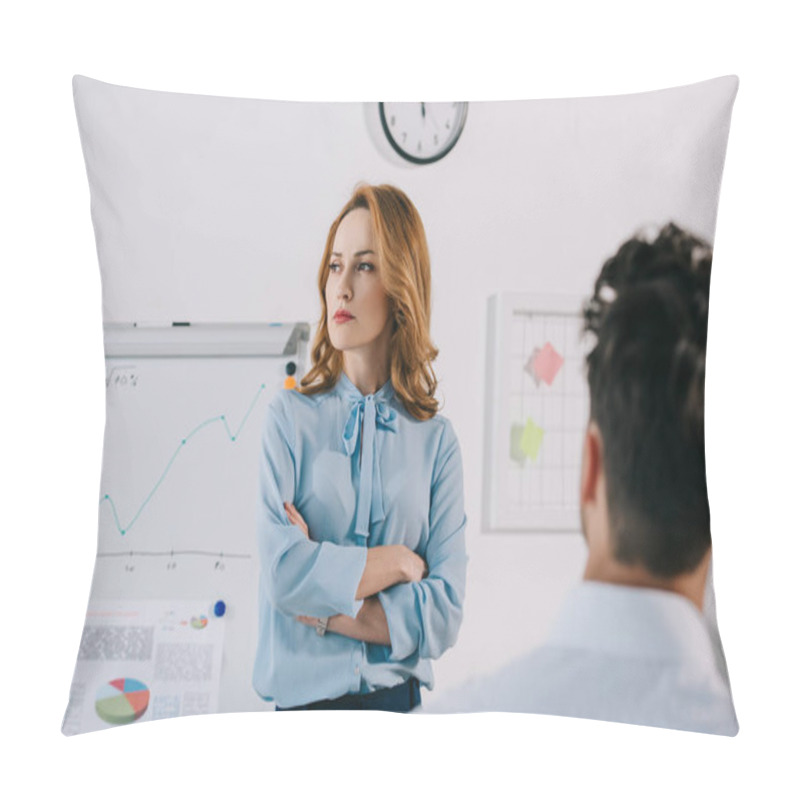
{"points": [[644, 502]]}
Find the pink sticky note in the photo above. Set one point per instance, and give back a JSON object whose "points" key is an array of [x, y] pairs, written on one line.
{"points": [[544, 364]]}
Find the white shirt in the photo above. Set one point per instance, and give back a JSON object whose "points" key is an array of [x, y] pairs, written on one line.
{"points": [[616, 653]]}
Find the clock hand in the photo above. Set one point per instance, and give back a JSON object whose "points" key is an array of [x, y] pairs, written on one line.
{"points": [[423, 110]]}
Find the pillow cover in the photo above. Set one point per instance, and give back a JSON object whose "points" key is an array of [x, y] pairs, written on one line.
{"points": [[211, 215]]}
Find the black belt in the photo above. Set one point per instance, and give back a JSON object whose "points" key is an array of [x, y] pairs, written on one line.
{"points": [[401, 698]]}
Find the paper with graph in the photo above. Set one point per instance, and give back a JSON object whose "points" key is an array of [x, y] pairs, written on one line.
{"points": [[145, 660], [536, 412], [185, 405]]}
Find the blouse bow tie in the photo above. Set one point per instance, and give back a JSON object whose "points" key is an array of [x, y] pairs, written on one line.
{"points": [[374, 412]]}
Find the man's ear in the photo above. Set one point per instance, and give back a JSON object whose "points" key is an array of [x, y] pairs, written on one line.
{"points": [[591, 464]]}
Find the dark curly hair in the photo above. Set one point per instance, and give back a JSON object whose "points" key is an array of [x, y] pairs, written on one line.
{"points": [[646, 373]]}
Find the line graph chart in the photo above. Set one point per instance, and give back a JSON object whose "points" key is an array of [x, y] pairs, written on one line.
{"points": [[184, 413], [231, 435]]}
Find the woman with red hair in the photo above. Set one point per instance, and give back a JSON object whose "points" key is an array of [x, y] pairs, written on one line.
{"points": [[361, 508]]}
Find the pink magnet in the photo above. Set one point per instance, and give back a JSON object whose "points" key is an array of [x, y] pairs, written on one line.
{"points": [[544, 364]]}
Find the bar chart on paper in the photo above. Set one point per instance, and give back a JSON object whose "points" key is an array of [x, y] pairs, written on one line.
{"points": [[536, 412]]}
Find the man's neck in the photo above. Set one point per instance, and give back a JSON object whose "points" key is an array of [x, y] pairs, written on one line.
{"points": [[689, 585]]}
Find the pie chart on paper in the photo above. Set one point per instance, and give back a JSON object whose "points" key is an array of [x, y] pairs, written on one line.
{"points": [[121, 701]]}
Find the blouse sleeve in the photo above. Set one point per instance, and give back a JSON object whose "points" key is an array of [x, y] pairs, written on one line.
{"points": [[316, 579], [425, 616]]}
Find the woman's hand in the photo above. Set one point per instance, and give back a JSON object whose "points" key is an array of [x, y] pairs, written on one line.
{"points": [[369, 625], [411, 566], [386, 566], [414, 566], [295, 519]]}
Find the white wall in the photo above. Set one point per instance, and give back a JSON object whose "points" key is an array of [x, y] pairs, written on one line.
{"points": [[219, 211]]}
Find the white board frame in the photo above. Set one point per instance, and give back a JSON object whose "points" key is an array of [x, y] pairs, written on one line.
{"points": [[497, 516]]}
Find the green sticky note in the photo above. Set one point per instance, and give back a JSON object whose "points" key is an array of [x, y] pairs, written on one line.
{"points": [[517, 454], [531, 439]]}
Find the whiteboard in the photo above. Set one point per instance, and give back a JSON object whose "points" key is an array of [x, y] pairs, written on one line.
{"points": [[537, 407], [178, 497]]}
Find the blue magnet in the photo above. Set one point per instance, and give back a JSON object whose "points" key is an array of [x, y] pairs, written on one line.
{"points": [[219, 608]]}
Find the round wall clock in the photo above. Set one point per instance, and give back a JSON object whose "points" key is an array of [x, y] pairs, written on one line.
{"points": [[423, 132]]}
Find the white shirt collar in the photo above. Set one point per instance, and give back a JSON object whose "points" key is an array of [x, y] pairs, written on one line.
{"points": [[633, 622]]}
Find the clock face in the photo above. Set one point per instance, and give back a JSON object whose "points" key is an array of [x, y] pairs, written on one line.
{"points": [[423, 132]]}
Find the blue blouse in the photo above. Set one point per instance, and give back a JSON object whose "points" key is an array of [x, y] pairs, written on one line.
{"points": [[396, 480]]}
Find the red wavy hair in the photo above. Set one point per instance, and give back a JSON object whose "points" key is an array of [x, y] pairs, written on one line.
{"points": [[405, 273]]}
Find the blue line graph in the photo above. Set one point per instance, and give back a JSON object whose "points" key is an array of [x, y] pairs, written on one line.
{"points": [[232, 436]]}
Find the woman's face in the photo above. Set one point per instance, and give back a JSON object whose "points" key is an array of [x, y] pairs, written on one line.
{"points": [[359, 316]]}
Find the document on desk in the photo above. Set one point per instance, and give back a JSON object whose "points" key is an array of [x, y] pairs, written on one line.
{"points": [[145, 660]]}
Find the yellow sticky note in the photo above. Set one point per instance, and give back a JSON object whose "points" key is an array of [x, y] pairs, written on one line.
{"points": [[531, 439]]}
